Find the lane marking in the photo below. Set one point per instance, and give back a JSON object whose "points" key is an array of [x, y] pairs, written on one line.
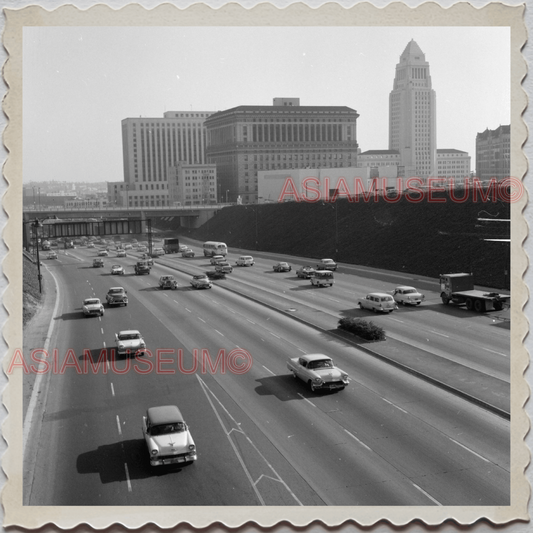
{"points": [[219, 332], [304, 398], [441, 334], [112, 390], [497, 353], [469, 450], [118, 426], [200, 318], [394, 405], [397, 320], [360, 442], [274, 335], [268, 370], [426, 494], [127, 476]]}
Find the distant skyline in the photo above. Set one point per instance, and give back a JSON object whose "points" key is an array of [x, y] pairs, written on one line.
{"points": [[79, 83]]}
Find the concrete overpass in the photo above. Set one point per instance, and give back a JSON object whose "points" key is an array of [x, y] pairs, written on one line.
{"points": [[190, 216]]}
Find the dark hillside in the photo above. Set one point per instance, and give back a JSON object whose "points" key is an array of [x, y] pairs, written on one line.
{"points": [[420, 238]]}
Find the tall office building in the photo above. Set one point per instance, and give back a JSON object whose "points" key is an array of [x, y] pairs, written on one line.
{"points": [[412, 115], [493, 153]]}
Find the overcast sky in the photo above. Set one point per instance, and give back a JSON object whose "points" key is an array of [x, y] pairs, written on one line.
{"points": [[80, 82]]}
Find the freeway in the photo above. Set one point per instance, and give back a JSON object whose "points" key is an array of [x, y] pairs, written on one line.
{"points": [[262, 437]]}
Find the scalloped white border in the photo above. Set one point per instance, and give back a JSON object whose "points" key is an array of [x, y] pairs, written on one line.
{"points": [[363, 14]]}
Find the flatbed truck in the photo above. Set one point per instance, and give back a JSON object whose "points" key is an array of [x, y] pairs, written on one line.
{"points": [[459, 289]]}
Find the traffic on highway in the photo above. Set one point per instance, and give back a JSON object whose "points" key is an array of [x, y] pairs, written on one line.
{"points": [[154, 392]]}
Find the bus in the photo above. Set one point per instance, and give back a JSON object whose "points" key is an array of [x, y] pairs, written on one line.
{"points": [[171, 246], [212, 248]]}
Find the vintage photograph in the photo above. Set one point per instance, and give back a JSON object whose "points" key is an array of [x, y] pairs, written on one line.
{"points": [[345, 194]]}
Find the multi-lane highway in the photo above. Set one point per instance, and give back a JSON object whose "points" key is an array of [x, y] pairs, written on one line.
{"points": [[263, 437]]}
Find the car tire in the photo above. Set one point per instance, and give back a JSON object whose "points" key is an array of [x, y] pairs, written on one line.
{"points": [[360, 306]]}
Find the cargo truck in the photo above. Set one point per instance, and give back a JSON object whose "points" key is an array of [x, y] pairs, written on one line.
{"points": [[459, 289], [171, 246]]}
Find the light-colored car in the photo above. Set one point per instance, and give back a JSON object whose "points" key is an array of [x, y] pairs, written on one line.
{"points": [[187, 253], [167, 436], [322, 278], [117, 296], [168, 282], [130, 342], [378, 301], [216, 259], [128, 247], [142, 249], [146, 257], [282, 267], [121, 253], [245, 260], [52, 255], [90, 245], [156, 252], [318, 371], [326, 264], [224, 266], [97, 263], [305, 272], [182, 248], [93, 307], [117, 270], [201, 281], [407, 295], [103, 253]]}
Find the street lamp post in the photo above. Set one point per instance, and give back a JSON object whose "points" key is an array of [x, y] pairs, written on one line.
{"points": [[38, 225]]}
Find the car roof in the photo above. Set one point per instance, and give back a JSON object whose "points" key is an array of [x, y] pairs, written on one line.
{"points": [[164, 414], [116, 289], [315, 356], [92, 299], [403, 287], [129, 332], [380, 294], [324, 260]]}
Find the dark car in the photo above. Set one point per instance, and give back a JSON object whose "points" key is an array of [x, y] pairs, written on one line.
{"points": [[213, 274]]}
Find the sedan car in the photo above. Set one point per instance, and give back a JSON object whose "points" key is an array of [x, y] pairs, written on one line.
{"points": [[407, 295], [117, 270], [187, 253], [121, 253], [327, 264], [168, 282], [103, 253], [282, 267], [167, 436], [224, 266], [93, 307], [97, 263], [305, 272], [216, 259], [318, 371], [378, 301], [117, 296], [90, 245], [52, 255], [201, 281], [130, 342], [213, 274]]}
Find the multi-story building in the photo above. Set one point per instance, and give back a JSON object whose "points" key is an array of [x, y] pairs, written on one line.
{"points": [[381, 162], [413, 115], [493, 154], [247, 139], [192, 184], [150, 146], [453, 165]]}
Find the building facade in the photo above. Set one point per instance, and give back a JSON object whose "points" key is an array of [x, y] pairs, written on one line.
{"points": [[453, 165], [245, 140], [150, 146], [413, 114], [192, 184], [493, 154]]}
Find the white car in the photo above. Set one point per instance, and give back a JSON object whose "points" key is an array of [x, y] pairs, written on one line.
{"points": [[93, 307], [52, 255], [216, 259], [407, 295], [130, 342], [201, 281], [378, 301], [245, 260], [121, 253], [318, 371], [103, 253], [282, 267], [326, 264], [167, 436], [117, 270]]}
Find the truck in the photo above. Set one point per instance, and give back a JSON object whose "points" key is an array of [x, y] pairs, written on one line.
{"points": [[171, 246], [459, 289]]}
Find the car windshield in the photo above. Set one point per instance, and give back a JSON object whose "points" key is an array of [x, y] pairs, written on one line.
{"points": [[92, 301], [129, 336], [115, 291], [165, 429], [117, 266], [323, 363], [409, 291], [386, 298]]}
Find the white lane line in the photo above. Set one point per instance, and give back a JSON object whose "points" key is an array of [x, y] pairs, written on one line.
{"points": [[268, 370], [219, 332], [394, 405], [200, 318], [360, 442], [437, 333], [397, 320], [426, 494], [118, 426], [497, 353], [186, 309], [274, 335], [112, 390], [251, 321], [127, 476], [102, 330], [469, 450], [308, 401]]}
